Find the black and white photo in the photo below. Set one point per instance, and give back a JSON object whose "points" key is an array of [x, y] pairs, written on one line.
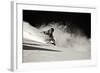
{"points": [[56, 36]]}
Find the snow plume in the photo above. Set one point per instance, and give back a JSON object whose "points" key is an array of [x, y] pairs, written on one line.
{"points": [[63, 38]]}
